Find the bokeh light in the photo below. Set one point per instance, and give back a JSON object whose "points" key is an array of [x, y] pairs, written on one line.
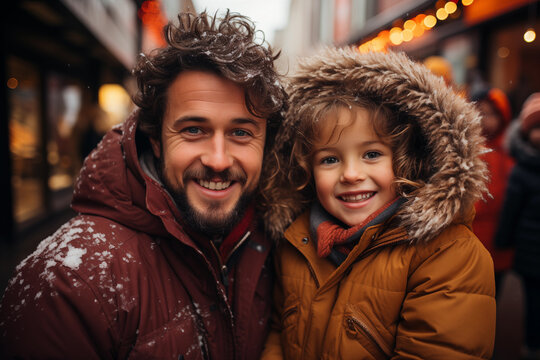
{"points": [[396, 37], [12, 83], [407, 35], [529, 35], [503, 52], [441, 14], [430, 21], [450, 7]]}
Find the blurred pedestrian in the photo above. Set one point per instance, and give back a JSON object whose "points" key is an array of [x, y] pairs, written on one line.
{"points": [[519, 225], [381, 262], [439, 66], [496, 116], [91, 125]]}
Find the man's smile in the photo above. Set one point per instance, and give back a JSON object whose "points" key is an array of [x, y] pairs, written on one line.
{"points": [[214, 185]]}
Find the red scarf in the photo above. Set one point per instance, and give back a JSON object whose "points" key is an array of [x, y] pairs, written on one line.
{"points": [[329, 234]]}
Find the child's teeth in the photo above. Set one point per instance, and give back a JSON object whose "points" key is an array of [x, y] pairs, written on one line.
{"points": [[357, 197]]}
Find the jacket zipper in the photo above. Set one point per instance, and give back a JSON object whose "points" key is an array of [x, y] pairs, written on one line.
{"points": [[223, 274], [224, 271], [240, 242], [351, 321], [204, 337], [312, 271]]}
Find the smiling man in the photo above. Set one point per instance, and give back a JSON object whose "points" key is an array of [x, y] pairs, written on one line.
{"points": [[167, 257], [210, 150]]}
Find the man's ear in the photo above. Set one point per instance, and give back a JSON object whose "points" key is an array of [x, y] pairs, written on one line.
{"points": [[156, 147]]}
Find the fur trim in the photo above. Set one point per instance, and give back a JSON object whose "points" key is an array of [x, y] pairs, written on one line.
{"points": [[450, 124]]}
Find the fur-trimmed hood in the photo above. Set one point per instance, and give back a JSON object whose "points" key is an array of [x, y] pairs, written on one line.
{"points": [[451, 126]]}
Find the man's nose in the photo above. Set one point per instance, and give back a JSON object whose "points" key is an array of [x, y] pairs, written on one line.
{"points": [[353, 171], [217, 155]]}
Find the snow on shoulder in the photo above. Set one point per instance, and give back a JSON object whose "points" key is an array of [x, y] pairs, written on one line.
{"points": [[75, 255]]}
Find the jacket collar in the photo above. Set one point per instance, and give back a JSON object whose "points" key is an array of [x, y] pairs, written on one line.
{"points": [[374, 237]]}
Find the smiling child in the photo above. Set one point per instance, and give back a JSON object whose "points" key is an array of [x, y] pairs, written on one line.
{"points": [[380, 165]]}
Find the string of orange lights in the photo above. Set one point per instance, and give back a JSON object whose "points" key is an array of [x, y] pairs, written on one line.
{"points": [[414, 27]]}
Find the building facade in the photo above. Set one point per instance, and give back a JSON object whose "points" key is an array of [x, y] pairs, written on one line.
{"points": [[482, 39], [66, 75]]}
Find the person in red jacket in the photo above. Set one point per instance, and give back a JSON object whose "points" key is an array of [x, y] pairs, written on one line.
{"points": [[496, 116], [519, 225], [167, 258]]}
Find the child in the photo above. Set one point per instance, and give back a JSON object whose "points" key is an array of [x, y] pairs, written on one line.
{"points": [[382, 262], [496, 116], [519, 224]]}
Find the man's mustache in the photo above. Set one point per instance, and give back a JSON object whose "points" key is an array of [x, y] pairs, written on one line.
{"points": [[234, 174]]}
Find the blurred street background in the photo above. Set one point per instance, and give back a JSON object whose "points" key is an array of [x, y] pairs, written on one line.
{"points": [[66, 79]]}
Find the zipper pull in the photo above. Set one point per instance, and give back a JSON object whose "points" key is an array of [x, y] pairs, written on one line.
{"points": [[224, 277]]}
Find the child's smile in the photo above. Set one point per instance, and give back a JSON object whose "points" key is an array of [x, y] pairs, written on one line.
{"points": [[352, 167], [356, 197]]}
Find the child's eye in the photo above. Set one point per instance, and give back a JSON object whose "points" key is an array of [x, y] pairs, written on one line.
{"points": [[370, 155], [329, 160]]}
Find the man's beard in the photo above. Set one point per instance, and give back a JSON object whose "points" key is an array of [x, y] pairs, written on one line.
{"points": [[213, 221]]}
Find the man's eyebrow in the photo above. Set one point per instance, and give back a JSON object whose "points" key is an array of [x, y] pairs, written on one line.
{"points": [[197, 119], [254, 122]]}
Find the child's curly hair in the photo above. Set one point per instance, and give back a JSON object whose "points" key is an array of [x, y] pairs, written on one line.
{"points": [[294, 161], [227, 46]]}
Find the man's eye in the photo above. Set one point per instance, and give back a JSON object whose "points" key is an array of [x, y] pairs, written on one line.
{"points": [[372, 155], [329, 160], [192, 130], [240, 132]]}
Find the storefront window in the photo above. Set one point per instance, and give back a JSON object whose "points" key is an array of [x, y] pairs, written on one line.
{"points": [[64, 98], [53, 126], [514, 62], [25, 139]]}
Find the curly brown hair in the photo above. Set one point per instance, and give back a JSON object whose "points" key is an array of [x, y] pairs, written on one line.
{"points": [[227, 46], [292, 163]]}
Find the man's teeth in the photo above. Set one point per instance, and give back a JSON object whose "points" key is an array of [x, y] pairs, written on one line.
{"points": [[212, 185], [358, 197]]}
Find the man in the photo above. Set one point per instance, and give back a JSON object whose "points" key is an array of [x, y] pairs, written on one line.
{"points": [[167, 257]]}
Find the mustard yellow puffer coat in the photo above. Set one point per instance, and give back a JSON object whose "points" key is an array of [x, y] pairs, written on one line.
{"points": [[422, 288], [389, 299]]}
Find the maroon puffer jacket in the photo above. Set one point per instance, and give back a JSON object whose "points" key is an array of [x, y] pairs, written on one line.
{"points": [[123, 280]]}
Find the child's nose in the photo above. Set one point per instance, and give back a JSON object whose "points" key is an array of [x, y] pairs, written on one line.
{"points": [[217, 156], [353, 172]]}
